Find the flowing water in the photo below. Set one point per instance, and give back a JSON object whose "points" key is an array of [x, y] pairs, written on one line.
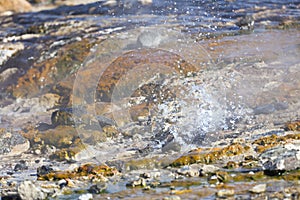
{"points": [[245, 74]]}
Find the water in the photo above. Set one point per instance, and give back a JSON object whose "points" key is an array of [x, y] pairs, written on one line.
{"points": [[238, 77]]}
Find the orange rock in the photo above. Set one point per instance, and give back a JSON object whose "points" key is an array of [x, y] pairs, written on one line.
{"points": [[131, 69], [15, 6], [293, 126]]}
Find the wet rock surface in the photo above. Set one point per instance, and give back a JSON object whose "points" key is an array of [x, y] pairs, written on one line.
{"points": [[182, 101]]}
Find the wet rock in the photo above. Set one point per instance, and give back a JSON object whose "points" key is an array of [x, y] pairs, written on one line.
{"points": [[127, 62], [188, 171], [232, 165], [98, 188], [28, 190], [281, 158], [270, 108], [97, 172], [62, 117], [172, 198], [259, 188], [208, 169], [50, 73], [246, 23], [293, 126], [15, 6], [141, 182], [8, 50], [43, 170], [265, 143], [21, 166], [12, 143], [8, 73], [225, 193], [62, 183], [211, 156]]}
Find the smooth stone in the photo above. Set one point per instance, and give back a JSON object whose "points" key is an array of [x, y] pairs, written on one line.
{"points": [[225, 193], [259, 188]]}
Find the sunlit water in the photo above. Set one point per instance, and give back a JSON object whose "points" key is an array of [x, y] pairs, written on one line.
{"points": [[249, 76]]}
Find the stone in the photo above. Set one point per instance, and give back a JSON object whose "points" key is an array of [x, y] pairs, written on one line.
{"points": [[259, 188], [20, 166], [225, 193], [8, 73], [12, 144], [281, 158], [28, 190], [172, 198], [141, 182], [86, 197], [293, 126], [188, 171], [15, 6], [98, 188], [43, 170]]}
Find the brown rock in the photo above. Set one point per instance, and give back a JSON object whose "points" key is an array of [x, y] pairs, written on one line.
{"points": [[15, 6]]}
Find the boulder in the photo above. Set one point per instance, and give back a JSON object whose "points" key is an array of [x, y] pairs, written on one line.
{"points": [[27, 190]]}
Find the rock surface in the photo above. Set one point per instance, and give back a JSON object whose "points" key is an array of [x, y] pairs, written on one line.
{"points": [[15, 6], [146, 100]]}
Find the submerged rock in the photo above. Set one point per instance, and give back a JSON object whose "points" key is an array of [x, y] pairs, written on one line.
{"points": [[28, 190]]}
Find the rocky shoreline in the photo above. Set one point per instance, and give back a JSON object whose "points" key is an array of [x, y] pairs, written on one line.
{"points": [[99, 103]]}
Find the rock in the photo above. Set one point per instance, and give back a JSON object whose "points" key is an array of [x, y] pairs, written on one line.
{"points": [[259, 188], [293, 126], [172, 198], [12, 143], [6, 74], [188, 171], [43, 170], [27, 190], [270, 108], [246, 22], [281, 158], [85, 197], [225, 193], [20, 166], [136, 183], [15, 6], [98, 188], [62, 117], [62, 183], [208, 169]]}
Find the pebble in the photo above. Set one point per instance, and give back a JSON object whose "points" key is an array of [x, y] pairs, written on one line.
{"points": [[225, 193], [85, 197], [259, 188]]}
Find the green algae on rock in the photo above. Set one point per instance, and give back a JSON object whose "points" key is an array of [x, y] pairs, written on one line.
{"points": [[86, 170], [211, 156]]}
